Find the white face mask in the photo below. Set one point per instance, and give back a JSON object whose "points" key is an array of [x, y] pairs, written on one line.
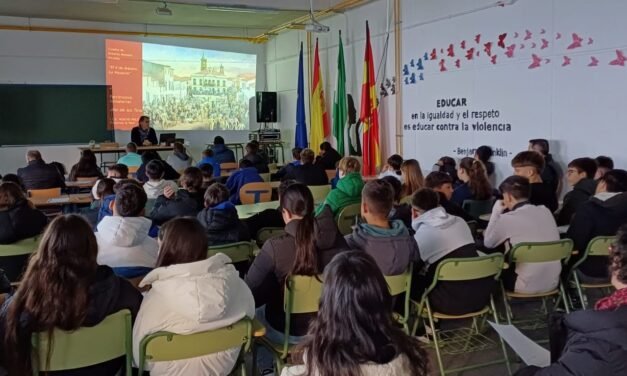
{"points": [[342, 174]]}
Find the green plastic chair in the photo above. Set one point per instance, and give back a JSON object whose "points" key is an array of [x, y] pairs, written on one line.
{"points": [[478, 207], [537, 252], [166, 346], [302, 295], [319, 192], [266, 233], [469, 339], [347, 218], [598, 246], [237, 252], [85, 346], [399, 284], [9, 252], [406, 200]]}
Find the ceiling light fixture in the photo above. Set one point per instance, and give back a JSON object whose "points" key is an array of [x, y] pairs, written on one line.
{"points": [[164, 10], [241, 9]]}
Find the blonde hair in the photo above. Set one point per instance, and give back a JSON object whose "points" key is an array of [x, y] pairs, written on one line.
{"points": [[412, 177], [349, 164]]}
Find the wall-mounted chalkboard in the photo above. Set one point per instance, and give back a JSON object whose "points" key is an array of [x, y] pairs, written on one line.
{"points": [[53, 114]]}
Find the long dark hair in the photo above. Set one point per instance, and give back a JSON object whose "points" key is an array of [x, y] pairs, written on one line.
{"points": [[412, 176], [479, 184], [297, 200], [54, 290], [86, 166], [355, 323], [183, 240]]}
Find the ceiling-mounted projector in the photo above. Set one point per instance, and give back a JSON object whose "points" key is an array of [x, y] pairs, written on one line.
{"points": [[316, 28], [164, 10]]}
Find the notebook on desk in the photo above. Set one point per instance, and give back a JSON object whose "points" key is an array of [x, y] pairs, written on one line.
{"points": [[58, 200]]}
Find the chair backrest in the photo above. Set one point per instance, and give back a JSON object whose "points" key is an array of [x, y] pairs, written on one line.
{"points": [[45, 193], [331, 174], [229, 166], [84, 179], [319, 192], [165, 346], [266, 233], [542, 251], [22, 247], [600, 246], [400, 283], [265, 177], [86, 346], [469, 268], [237, 252], [478, 207], [273, 167], [347, 218], [254, 193], [302, 294], [406, 200]]}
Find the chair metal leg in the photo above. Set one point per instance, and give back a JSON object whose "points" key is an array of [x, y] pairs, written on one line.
{"points": [[562, 295], [508, 310], [582, 296], [436, 342], [503, 347]]}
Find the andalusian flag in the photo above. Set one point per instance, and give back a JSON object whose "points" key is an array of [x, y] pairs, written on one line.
{"points": [[319, 117], [369, 114], [340, 107]]}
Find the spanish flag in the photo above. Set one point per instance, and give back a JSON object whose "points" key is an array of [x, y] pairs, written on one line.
{"points": [[369, 114], [320, 128]]}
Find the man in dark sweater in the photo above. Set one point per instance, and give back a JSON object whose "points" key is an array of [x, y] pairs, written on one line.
{"points": [[530, 164], [580, 175], [551, 173], [328, 157], [308, 173], [38, 174]]}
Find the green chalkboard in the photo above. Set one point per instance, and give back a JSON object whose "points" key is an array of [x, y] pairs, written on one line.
{"points": [[53, 114]]}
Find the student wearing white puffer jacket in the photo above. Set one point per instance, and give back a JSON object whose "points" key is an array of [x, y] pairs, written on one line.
{"points": [[191, 294]]}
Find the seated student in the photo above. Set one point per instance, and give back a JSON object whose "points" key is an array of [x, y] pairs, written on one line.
{"points": [[348, 189], [529, 164], [268, 217], [87, 167], [604, 164], [18, 217], [393, 167], [307, 172], [285, 170], [64, 287], [551, 173], [107, 199], [247, 173], [442, 183], [38, 174], [580, 175], [179, 160], [328, 157], [117, 172], [104, 188], [356, 308], [176, 304], [258, 162], [441, 236], [123, 237], [388, 242], [448, 165], [319, 240], [219, 217], [13, 178], [523, 222], [260, 151], [400, 211], [184, 202], [156, 184], [475, 184], [483, 154], [170, 173], [60, 167], [601, 215], [221, 153], [207, 158], [131, 158], [411, 176], [593, 342], [207, 176]]}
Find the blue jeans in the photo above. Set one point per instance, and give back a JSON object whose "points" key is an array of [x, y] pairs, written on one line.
{"points": [[264, 356]]}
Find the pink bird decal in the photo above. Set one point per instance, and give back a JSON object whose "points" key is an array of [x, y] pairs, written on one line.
{"points": [[558, 36], [516, 34], [566, 61], [493, 59], [542, 31], [470, 53], [458, 63], [442, 67], [522, 46], [478, 52], [593, 61], [528, 35], [590, 40], [450, 51], [537, 61], [463, 45], [478, 38], [620, 59], [434, 54], [510, 51], [576, 42], [441, 50], [545, 44], [488, 48], [533, 44], [501, 42]]}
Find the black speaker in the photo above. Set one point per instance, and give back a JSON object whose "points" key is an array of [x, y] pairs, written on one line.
{"points": [[266, 107]]}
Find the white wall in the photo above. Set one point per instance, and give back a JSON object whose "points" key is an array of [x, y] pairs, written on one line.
{"points": [[72, 58]]}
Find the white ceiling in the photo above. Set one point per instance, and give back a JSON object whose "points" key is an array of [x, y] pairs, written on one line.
{"points": [[185, 12]]}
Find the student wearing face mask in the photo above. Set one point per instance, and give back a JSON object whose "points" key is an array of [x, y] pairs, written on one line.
{"points": [[348, 189]]}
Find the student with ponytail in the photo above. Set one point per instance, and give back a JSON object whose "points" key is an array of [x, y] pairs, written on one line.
{"points": [[476, 185], [308, 245]]}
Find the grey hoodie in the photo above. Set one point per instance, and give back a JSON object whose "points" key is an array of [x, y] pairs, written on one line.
{"points": [[393, 249]]}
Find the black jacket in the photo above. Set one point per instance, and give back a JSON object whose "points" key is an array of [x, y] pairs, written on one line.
{"points": [[329, 160], [581, 193], [454, 209], [544, 194], [596, 218], [107, 294], [595, 343], [308, 174], [169, 173], [137, 139], [266, 276], [184, 204], [40, 175], [93, 172], [552, 173], [259, 162], [402, 212], [20, 222], [222, 224]]}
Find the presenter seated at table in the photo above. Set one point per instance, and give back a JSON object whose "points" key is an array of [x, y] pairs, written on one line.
{"points": [[142, 134]]}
